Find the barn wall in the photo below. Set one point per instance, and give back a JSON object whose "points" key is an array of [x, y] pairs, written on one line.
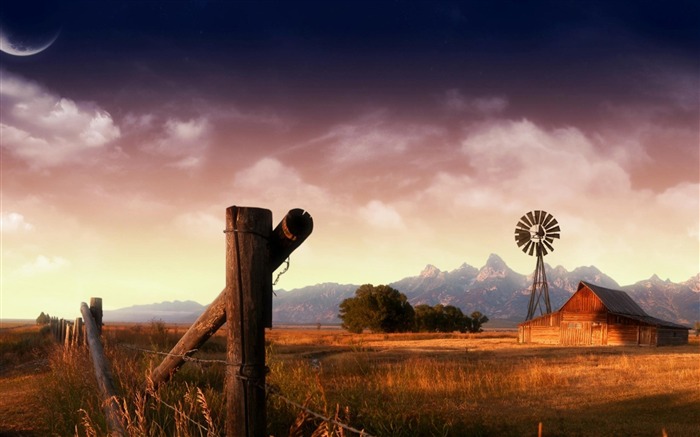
{"points": [[671, 336], [584, 301], [600, 317], [542, 330], [584, 332], [545, 335], [619, 335]]}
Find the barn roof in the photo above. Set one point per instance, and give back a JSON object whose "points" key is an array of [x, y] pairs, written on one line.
{"points": [[616, 301], [619, 302]]}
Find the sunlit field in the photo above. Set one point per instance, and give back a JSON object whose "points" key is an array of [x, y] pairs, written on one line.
{"points": [[385, 384]]}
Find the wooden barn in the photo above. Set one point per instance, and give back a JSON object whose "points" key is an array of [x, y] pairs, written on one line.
{"points": [[600, 316]]}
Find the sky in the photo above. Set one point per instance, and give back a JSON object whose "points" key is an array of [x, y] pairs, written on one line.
{"points": [[414, 133]]}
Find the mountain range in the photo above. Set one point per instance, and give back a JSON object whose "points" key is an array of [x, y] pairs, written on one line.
{"points": [[494, 289]]}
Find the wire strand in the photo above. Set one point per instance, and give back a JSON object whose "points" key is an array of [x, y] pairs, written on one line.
{"points": [[269, 389]]}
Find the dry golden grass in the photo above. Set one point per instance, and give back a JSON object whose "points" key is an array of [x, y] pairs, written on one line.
{"points": [[487, 384], [23, 372], [387, 384]]}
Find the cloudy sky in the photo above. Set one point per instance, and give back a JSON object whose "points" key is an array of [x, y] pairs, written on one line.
{"points": [[413, 132]]}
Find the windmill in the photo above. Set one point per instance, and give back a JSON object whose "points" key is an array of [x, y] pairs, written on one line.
{"points": [[534, 234]]}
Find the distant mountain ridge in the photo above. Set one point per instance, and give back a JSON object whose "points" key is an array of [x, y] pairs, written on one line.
{"points": [[494, 289], [168, 311]]}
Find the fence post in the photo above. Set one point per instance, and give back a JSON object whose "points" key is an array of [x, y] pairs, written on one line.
{"points": [[288, 235], [53, 327], [102, 372], [77, 332], [61, 330], [67, 337], [248, 279], [96, 311]]}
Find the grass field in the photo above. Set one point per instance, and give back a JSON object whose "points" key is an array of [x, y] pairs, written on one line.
{"points": [[386, 384]]}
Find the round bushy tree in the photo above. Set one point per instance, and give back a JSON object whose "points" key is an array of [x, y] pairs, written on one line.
{"points": [[441, 318], [478, 319], [377, 308]]}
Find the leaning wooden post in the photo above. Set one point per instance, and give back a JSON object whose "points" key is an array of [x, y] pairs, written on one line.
{"points": [[102, 372], [96, 311], [248, 279], [289, 234]]}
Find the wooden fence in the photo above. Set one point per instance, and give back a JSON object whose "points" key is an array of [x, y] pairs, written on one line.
{"points": [[253, 252], [87, 331]]}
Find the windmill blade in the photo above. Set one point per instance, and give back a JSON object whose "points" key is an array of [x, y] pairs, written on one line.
{"points": [[522, 236], [531, 216], [539, 215], [523, 226], [527, 246], [552, 224], [520, 243], [548, 220], [553, 235], [532, 248], [525, 220], [555, 229], [549, 246]]}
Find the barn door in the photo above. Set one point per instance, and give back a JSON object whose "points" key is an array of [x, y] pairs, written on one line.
{"points": [[646, 335]]}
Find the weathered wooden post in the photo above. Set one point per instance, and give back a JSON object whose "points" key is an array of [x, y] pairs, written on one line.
{"points": [[78, 332], [61, 330], [67, 337], [102, 372], [54, 320], [248, 279], [96, 311], [289, 234]]}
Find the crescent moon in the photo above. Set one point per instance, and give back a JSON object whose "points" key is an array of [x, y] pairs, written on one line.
{"points": [[17, 47]]}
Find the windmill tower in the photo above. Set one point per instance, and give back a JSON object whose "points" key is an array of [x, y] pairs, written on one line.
{"points": [[534, 234]]}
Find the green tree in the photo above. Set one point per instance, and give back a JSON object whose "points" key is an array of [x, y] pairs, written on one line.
{"points": [[43, 319], [377, 308], [441, 318], [477, 320], [425, 318]]}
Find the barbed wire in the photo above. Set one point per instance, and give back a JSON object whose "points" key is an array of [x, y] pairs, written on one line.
{"points": [[275, 392], [202, 427], [185, 356], [269, 389], [277, 278]]}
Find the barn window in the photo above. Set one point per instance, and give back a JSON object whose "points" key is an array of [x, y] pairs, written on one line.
{"points": [[674, 333], [574, 325]]}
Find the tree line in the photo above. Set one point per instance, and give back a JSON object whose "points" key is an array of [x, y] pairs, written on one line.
{"points": [[43, 319], [384, 309]]}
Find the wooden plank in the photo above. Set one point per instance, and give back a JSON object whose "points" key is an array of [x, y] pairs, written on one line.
{"points": [[248, 279], [102, 372]]}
